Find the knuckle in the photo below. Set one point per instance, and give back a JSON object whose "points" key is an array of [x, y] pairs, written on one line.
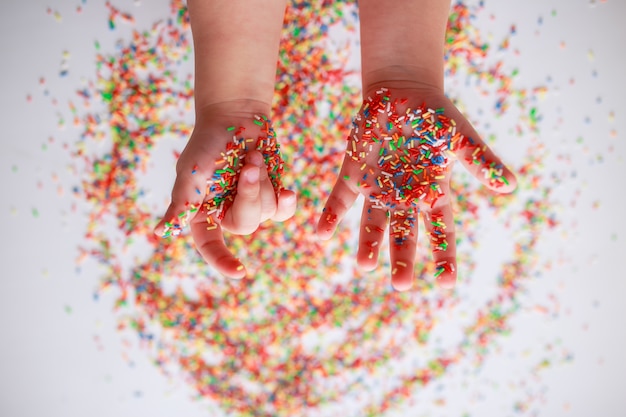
{"points": [[246, 229]]}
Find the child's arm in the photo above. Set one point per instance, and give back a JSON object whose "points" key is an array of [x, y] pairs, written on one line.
{"points": [[402, 43], [236, 51], [228, 176], [404, 141]]}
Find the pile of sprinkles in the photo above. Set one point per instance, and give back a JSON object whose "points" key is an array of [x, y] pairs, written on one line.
{"points": [[409, 169], [260, 347]]}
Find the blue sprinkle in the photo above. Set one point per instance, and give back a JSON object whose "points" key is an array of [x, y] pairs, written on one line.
{"points": [[438, 160]]}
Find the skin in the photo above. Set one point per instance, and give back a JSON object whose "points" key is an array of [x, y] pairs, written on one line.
{"points": [[230, 93], [409, 62]]}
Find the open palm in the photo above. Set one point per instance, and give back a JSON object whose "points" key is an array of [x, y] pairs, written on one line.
{"points": [[399, 156]]}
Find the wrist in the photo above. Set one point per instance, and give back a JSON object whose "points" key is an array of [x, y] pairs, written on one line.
{"points": [[235, 108], [233, 91], [399, 77]]}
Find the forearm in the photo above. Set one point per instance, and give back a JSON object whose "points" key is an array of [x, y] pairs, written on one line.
{"points": [[402, 42], [236, 51]]}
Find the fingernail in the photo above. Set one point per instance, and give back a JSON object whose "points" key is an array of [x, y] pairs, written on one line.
{"points": [[252, 175], [289, 199], [241, 271]]}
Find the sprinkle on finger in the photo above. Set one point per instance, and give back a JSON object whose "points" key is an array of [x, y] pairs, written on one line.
{"points": [[373, 225], [440, 228], [402, 247]]}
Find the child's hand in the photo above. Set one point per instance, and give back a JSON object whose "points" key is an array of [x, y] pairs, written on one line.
{"points": [[228, 178], [399, 155]]}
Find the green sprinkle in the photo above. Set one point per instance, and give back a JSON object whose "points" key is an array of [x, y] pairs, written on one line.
{"points": [[230, 129]]}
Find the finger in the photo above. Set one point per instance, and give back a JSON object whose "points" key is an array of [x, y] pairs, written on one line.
{"points": [[373, 225], [268, 194], [480, 160], [439, 224], [286, 206], [209, 240], [402, 247], [277, 209], [244, 215], [187, 196], [339, 202]]}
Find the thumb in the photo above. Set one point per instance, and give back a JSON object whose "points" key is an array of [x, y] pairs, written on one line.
{"points": [[244, 215], [481, 161]]}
